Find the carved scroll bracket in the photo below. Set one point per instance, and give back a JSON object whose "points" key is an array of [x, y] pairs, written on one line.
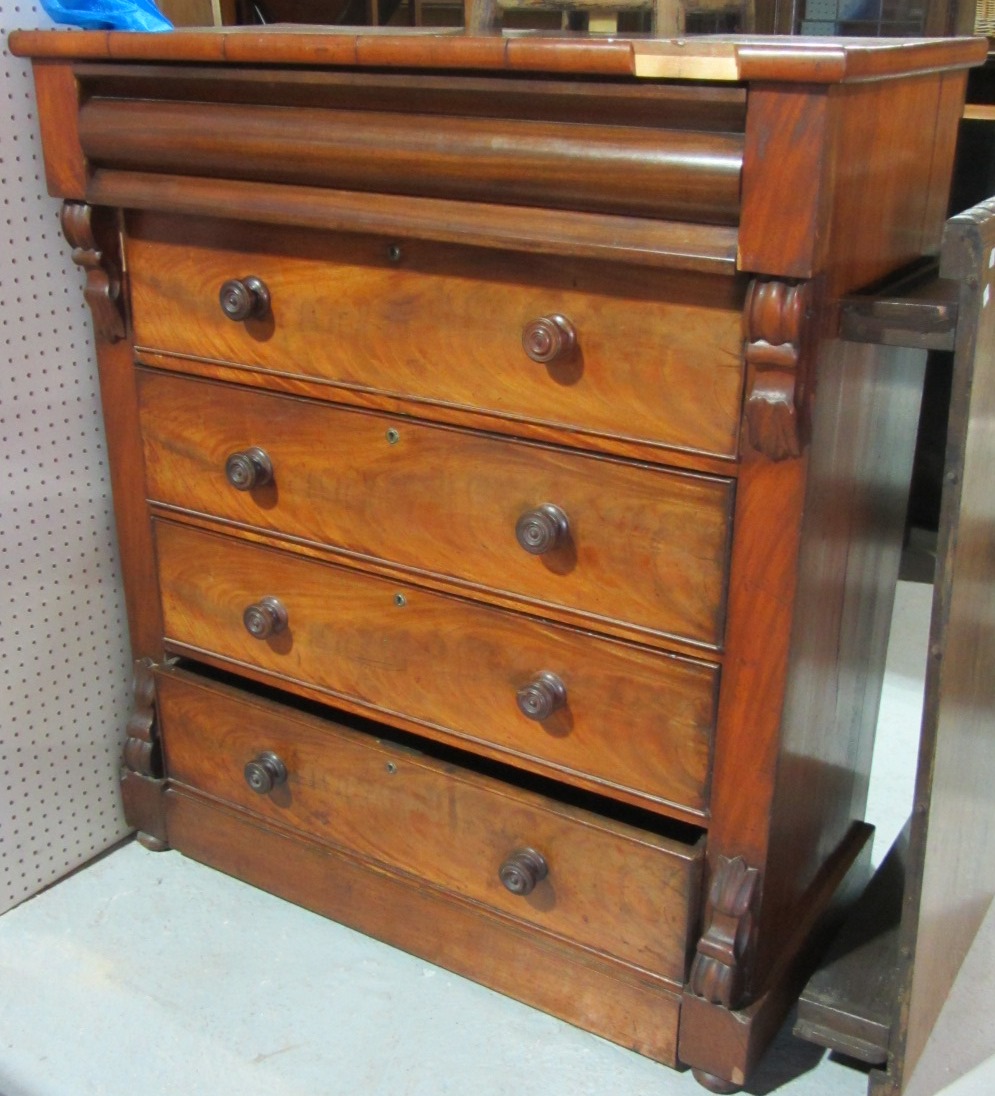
{"points": [[103, 276], [141, 748], [777, 419], [142, 783], [718, 971]]}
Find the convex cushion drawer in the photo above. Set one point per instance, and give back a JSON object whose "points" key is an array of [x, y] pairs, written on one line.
{"points": [[596, 712], [608, 540], [454, 828], [656, 357]]}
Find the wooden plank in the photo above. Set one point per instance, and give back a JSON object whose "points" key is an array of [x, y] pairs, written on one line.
{"points": [[879, 1000], [735, 58], [58, 120], [864, 424], [671, 245], [95, 237], [979, 112], [918, 312], [950, 102], [616, 102], [784, 223], [952, 879], [849, 1003]]}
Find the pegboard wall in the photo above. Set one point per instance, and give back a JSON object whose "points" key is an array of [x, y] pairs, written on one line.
{"points": [[64, 658]]}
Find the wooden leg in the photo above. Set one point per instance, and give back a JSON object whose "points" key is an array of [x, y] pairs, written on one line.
{"points": [[722, 1044], [152, 843], [713, 1083]]}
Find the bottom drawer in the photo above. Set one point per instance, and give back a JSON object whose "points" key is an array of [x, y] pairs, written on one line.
{"points": [[562, 871], [631, 1010]]}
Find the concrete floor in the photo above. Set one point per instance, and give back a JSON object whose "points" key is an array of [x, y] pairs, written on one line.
{"points": [[149, 975]]}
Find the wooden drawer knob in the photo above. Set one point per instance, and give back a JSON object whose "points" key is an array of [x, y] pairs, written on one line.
{"points": [[267, 617], [249, 468], [244, 298], [265, 772], [549, 339], [523, 870], [543, 695], [541, 530]]}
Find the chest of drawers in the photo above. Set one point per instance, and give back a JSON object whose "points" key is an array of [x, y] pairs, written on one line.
{"points": [[508, 537]]}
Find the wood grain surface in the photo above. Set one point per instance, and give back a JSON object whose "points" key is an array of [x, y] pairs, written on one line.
{"points": [[566, 980], [673, 174], [645, 548], [951, 881], [658, 354], [635, 721], [745, 57], [58, 116], [655, 105], [450, 827], [829, 148], [407, 245]]}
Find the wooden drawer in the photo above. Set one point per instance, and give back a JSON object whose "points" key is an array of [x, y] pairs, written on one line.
{"points": [[658, 359], [637, 723], [643, 546], [449, 826]]}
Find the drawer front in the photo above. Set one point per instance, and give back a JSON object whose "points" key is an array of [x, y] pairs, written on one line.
{"points": [[658, 355], [640, 546], [622, 891], [670, 173], [613, 716]]}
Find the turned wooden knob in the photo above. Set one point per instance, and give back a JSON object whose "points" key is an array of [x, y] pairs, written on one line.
{"points": [[541, 530], [265, 618], [249, 468], [549, 339], [543, 695], [244, 298], [265, 772], [522, 870]]}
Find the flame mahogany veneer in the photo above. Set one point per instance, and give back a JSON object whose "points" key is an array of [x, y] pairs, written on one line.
{"points": [[509, 539]]}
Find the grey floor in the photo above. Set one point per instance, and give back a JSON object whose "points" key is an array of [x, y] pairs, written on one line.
{"points": [[147, 974]]}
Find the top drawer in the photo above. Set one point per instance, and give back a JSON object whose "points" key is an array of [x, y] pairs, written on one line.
{"points": [[657, 354]]}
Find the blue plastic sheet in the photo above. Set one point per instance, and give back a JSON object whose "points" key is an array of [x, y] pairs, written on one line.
{"points": [[108, 14]]}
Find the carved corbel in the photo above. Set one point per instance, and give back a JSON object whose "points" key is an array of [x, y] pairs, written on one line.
{"points": [[777, 420], [141, 747], [142, 782], [103, 274], [718, 971]]}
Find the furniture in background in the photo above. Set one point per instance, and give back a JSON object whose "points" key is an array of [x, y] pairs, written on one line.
{"points": [[877, 995], [199, 13], [661, 17], [509, 538], [858, 18]]}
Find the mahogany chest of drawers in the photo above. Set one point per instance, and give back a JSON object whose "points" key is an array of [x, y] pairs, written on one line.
{"points": [[508, 537]]}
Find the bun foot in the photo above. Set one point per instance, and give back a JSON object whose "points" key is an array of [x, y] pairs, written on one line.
{"points": [[713, 1083], [151, 842]]}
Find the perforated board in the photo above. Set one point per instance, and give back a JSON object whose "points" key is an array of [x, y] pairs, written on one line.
{"points": [[64, 663]]}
